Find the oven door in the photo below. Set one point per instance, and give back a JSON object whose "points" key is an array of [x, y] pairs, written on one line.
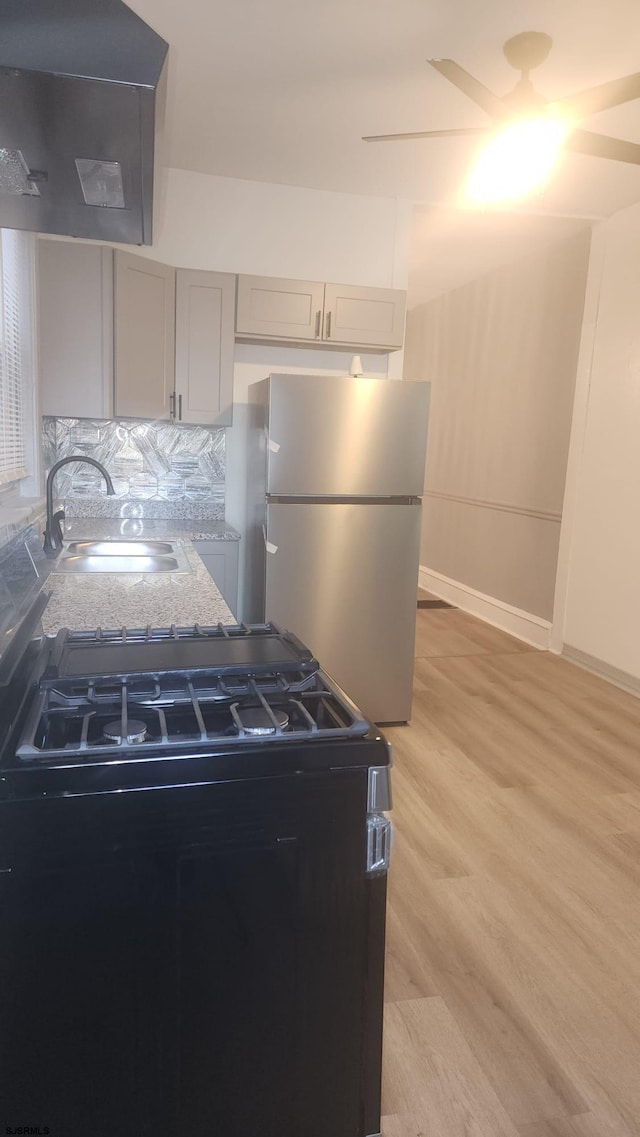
{"points": [[193, 960], [271, 964]]}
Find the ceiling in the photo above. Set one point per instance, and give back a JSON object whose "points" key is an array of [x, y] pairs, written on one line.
{"points": [[282, 90]]}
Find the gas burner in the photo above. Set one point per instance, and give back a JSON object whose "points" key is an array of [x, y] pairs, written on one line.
{"points": [[259, 720], [157, 694], [136, 731]]}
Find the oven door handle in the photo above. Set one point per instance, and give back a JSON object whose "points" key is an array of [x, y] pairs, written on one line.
{"points": [[379, 840]]}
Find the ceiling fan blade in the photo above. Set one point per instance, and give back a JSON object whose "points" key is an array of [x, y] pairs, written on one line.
{"points": [[471, 87], [463, 130], [586, 103], [601, 146]]}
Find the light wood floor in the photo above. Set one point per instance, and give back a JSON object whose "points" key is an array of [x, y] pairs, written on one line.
{"points": [[513, 973]]}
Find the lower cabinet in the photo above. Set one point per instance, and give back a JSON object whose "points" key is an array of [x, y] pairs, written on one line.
{"points": [[220, 558]]}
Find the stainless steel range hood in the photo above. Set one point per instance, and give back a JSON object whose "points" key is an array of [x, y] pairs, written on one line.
{"points": [[81, 88]]}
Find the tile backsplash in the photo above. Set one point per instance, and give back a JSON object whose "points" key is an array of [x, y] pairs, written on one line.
{"points": [[159, 469]]}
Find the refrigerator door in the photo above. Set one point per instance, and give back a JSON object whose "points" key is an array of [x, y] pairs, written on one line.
{"points": [[333, 436], [343, 577]]}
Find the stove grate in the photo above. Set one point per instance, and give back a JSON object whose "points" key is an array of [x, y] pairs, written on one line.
{"points": [[68, 720]]}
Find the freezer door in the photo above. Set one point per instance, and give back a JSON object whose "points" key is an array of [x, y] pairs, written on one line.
{"points": [[343, 577], [346, 437]]}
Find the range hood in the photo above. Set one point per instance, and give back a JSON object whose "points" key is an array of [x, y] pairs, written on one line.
{"points": [[81, 87]]}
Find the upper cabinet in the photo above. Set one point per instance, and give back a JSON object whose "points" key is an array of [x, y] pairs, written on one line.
{"points": [[284, 309], [144, 337], [364, 317], [75, 329], [308, 311], [123, 335], [204, 346]]}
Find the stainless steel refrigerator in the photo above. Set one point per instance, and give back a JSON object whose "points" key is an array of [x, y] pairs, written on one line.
{"points": [[336, 471]]}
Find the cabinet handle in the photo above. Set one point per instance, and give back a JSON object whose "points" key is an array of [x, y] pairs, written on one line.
{"points": [[318, 316], [180, 407], [328, 328], [172, 405]]}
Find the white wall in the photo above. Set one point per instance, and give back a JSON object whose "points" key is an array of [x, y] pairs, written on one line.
{"points": [[501, 353], [230, 225], [598, 595]]}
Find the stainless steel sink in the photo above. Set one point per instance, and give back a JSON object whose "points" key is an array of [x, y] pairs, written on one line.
{"points": [[120, 548], [119, 564], [123, 556]]}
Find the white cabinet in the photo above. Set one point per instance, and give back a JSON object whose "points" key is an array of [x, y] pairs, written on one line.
{"points": [[286, 309], [75, 329], [220, 559], [144, 337], [204, 346], [308, 311], [364, 317], [123, 335]]}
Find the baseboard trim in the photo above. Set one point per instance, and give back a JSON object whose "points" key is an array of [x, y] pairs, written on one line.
{"points": [[598, 667], [524, 625]]}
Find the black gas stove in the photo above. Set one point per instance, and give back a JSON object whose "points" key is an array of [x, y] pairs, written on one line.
{"points": [[130, 696], [155, 692], [193, 855]]}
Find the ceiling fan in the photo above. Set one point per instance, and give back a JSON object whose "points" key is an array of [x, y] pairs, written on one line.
{"points": [[524, 52]]}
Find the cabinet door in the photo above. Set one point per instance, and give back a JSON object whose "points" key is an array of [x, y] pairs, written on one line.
{"points": [[220, 558], [364, 317], [284, 309], [75, 320], [144, 337], [204, 346]]}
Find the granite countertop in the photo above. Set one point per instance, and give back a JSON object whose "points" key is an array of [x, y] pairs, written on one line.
{"points": [[79, 528], [135, 600]]}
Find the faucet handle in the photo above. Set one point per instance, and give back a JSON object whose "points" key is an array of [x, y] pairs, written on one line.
{"points": [[58, 531], [53, 536], [49, 543]]}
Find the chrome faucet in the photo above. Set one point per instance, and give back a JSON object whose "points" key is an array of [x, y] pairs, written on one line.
{"points": [[53, 532]]}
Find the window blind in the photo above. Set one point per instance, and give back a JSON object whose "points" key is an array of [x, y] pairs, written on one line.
{"points": [[12, 434]]}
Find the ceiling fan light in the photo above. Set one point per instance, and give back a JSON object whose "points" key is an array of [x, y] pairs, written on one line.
{"points": [[517, 160]]}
